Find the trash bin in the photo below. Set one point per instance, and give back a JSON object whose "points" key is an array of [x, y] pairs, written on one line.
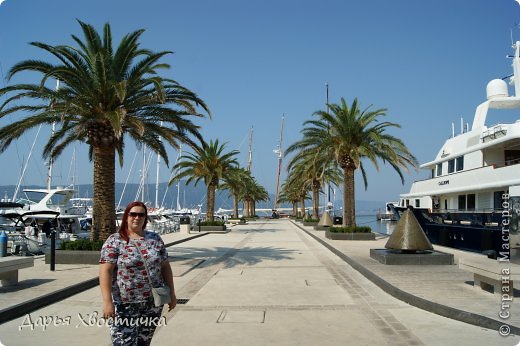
{"points": [[184, 222]]}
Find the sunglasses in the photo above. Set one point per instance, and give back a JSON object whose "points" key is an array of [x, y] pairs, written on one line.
{"points": [[134, 214]]}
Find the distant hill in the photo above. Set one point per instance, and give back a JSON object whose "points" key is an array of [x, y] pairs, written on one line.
{"points": [[190, 196]]}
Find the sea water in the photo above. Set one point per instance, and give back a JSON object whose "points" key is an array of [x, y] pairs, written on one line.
{"points": [[381, 227]]}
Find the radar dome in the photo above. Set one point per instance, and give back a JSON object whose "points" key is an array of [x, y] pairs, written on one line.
{"points": [[496, 88]]}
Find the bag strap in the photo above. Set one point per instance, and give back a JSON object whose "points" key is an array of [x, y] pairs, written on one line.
{"points": [[145, 265]]}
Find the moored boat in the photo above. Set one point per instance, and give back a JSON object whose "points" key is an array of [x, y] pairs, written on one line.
{"points": [[474, 181]]}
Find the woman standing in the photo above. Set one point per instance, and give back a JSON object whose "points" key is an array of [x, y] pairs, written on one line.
{"points": [[123, 277]]}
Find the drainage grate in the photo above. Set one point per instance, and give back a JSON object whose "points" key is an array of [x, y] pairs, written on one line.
{"points": [[182, 300]]}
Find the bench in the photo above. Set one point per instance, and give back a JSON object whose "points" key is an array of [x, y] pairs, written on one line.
{"points": [[489, 274], [9, 268]]}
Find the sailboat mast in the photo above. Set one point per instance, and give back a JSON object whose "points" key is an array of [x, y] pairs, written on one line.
{"points": [[51, 161], [250, 158], [157, 179], [179, 182], [157, 182], [328, 183], [279, 151], [143, 178]]}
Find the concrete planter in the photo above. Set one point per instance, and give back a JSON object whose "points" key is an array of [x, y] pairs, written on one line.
{"points": [[310, 223], [210, 228], [350, 236], [74, 257], [321, 228]]}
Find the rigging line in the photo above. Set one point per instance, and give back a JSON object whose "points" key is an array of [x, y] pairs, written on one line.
{"points": [[126, 181], [140, 189], [11, 120], [171, 176], [25, 166]]}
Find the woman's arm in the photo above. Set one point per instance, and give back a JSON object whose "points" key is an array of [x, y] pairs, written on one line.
{"points": [[106, 271], [167, 274]]}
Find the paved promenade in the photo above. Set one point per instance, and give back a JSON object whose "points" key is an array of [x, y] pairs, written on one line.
{"points": [[271, 282]]}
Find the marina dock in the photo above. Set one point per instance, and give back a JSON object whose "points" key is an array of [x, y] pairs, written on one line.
{"points": [[276, 282]]}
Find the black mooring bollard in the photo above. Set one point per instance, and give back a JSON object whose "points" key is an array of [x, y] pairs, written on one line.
{"points": [[53, 250]]}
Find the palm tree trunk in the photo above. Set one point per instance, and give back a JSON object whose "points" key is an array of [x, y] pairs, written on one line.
{"points": [[303, 206], [315, 202], [210, 203], [235, 205], [104, 216], [349, 206], [295, 208]]}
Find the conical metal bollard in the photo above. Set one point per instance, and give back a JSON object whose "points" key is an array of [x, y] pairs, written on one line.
{"points": [[408, 235], [325, 220]]}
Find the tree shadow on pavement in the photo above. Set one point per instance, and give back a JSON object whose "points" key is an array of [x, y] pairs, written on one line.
{"points": [[234, 256]]}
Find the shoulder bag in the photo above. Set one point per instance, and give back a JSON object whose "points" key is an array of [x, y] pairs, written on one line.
{"points": [[161, 295]]}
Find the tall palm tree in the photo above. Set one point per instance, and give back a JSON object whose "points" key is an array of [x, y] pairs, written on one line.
{"points": [[348, 134], [105, 94], [208, 162]]}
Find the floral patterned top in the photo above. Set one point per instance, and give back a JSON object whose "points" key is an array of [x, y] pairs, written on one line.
{"points": [[130, 281]]}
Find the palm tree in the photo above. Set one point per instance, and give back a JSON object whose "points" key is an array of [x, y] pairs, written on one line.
{"points": [[208, 162], [314, 170], [346, 135], [235, 182], [105, 94], [257, 193], [290, 194], [252, 193]]}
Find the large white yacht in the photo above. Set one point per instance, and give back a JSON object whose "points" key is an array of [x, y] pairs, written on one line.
{"points": [[463, 202]]}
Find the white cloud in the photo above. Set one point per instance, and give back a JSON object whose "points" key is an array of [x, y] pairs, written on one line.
{"points": [[1, 1]]}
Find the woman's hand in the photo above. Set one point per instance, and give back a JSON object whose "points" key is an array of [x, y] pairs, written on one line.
{"points": [[105, 282], [173, 302], [109, 310]]}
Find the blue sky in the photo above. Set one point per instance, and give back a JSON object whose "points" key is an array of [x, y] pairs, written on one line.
{"points": [[427, 62]]}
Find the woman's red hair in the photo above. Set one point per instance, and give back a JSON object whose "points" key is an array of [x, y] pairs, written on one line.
{"points": [[123, 228]]}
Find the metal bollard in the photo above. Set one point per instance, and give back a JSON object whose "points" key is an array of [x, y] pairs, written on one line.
{"points": [[3, 244], [53, 250]]}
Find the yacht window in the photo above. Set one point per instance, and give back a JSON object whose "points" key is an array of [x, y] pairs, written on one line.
{"points": [[451, 166], [511, 157], [462, 202], [460, 163], [407, 202], [497, 200], [439, 169], [471, 201], [417, 203]]}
